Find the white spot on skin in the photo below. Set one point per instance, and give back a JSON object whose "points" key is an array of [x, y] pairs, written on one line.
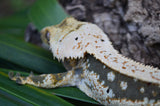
{"points": [[102, 83], [110, 93], [145, 100], [38, 82], [88, 65], [111, 76], [123, 85], [87, 60], [47, 81], [104, 66], [135, 80], [151, 101], [142, 89]]}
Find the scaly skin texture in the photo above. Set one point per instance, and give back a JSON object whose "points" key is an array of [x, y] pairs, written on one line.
{"points": [[95, 67]]}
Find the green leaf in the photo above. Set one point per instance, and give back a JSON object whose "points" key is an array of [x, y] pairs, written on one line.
{"points": [[73, 93], [49, 13], [16, 21], [9, 65], [28, 55], [46, 13], [26, 94], [14, 25], [17, 54]]}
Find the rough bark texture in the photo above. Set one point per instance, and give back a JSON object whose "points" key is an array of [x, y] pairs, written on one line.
{"points": [[132, 25]]}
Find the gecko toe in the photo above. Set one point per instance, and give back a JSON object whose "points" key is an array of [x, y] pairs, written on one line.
{"points": [[18, 81], [31, 74], [11, 75], [17, 75]]}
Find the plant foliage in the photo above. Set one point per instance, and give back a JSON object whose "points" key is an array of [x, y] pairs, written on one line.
{"points": [[19, 56]]}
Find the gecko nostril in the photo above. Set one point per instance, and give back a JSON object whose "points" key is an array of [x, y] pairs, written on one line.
{"points": [[102, 40], [76, 38], [108, 90]]}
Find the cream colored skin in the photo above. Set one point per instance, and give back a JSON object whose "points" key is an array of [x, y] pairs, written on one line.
{"points": [[71, 40]]}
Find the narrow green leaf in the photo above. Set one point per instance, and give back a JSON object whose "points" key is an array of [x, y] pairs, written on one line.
{"points": [[9, 65], [45, 13], [16, 32], [7, 99], [16, 21], [28, 56], [69, 92], [26, 93], [73, 93], [15, 51], [14, 25]]}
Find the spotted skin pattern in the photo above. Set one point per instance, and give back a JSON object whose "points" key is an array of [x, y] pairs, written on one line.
{"points": [[95, 67]]}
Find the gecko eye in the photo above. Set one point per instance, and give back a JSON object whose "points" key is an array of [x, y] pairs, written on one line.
{"points": [[47, 35]]}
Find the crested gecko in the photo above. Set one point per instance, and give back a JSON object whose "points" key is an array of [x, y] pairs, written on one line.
{"points": [[95, 67]]}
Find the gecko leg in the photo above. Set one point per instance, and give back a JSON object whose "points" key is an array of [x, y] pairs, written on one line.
{"points": [[47, 80]]}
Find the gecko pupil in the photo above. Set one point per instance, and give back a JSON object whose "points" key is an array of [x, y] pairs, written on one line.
{"points": [[47, 36], [107, 90]]}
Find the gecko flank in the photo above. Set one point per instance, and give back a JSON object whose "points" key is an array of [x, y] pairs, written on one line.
{"points": [[95, 67]]}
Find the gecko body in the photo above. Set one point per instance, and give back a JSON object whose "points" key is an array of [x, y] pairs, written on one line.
{"points": [[95, 67]]}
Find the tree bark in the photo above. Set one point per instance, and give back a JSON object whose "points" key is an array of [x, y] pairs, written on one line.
{"points": [[133, 26]]}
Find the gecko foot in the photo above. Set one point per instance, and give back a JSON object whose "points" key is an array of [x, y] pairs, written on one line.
{"points": [[17, 77]]}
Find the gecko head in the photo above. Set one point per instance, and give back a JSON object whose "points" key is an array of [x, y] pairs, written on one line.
{"points": [[72, 39], [55, 32], [58, 37]]}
